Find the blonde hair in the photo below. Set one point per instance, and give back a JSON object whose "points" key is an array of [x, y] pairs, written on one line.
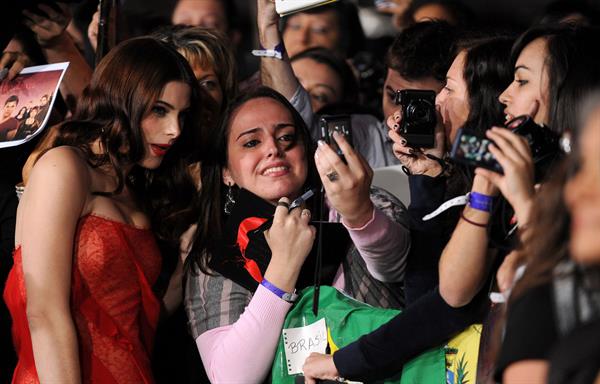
{"points": [[205, 48]]}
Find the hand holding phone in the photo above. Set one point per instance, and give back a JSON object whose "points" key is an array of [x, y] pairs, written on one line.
{"points": [[516, 183], [347, 183]]}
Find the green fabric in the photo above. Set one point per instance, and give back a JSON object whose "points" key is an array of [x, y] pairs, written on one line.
{"points": [[348, 319]]}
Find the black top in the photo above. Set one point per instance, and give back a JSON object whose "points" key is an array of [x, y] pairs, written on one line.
{"points": [[530, 329], [427, 238], [576, 358], [383, 352]]}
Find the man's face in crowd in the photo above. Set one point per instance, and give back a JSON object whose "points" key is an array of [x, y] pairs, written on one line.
{"points": [[309, 30], [9, 109], [396, 82], [44, 100], [201, 13]]}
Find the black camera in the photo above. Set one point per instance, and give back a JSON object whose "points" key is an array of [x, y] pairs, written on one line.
{"points": [[328, 124], [543, 142], [472, 149], [418, 117]]}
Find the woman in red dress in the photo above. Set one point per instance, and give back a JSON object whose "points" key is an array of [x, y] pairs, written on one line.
{"points": [[80, 292]]}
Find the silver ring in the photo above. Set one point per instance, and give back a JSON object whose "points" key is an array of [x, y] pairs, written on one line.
{"points": [[333, 176]]}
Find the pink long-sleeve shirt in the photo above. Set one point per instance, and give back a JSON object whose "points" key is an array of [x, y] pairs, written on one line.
{"points": [[243, 352]]}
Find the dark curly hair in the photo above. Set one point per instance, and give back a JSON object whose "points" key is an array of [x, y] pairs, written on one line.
{"points": [[423, 50]]}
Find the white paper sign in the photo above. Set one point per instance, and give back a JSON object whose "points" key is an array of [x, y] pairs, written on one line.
{"points": [[301, 342]]}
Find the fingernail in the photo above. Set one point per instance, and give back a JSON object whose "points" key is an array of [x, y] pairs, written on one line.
{"points": [[396, 126], [320, 143], [397, 117], [403, 142]]}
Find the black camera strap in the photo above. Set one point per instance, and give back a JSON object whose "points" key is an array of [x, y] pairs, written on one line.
{"points": [[319, 258]]}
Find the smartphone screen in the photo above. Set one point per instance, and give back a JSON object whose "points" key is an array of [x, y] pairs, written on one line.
{"points": [[472, 149]]}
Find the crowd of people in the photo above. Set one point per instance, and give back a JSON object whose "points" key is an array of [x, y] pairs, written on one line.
{"points": [[186, 191]]}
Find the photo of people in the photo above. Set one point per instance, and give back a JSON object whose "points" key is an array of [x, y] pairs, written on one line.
{"points": [[25, 102]]}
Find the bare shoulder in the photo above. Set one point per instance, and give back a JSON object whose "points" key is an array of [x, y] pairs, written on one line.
{"points": [[62, 173], [58, 188], [60, 162]]}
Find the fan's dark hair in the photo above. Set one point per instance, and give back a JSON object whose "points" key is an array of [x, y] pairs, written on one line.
{"points": [[423, 50]]}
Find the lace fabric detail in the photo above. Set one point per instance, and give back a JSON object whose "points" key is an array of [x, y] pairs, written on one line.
{"points": [[114, 309]]}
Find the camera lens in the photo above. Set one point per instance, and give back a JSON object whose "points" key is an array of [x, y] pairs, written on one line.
{"points": [[418, 111]]}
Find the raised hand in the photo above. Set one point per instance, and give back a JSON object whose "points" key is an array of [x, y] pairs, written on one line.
{"points": [[346, 185], [517, 183], [319, 367], [11, 63], [49, 27], [92, 31], [415, 159], [266, 14]]}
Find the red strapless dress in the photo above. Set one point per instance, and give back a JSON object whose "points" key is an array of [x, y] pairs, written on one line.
{"points": [[112, 303]]}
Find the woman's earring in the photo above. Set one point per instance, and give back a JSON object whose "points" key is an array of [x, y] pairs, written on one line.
{"points": [[229, 200]]}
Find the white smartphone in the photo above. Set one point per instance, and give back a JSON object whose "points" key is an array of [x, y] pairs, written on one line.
{"points": [[286, 7]]}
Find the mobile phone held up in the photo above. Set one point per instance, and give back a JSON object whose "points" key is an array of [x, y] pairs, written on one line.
{"points": [[418, 117], [328, 124], [286, 7]]}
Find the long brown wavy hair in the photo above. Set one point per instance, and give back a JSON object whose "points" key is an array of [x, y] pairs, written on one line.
{"points": [[122, 91]]}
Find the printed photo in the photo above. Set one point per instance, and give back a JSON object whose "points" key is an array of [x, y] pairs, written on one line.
{"points": [[26, 102]]}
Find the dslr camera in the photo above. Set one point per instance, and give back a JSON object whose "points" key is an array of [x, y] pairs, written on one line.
{"points": [[418, 117]]}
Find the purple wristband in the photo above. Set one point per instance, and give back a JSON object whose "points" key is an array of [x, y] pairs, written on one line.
{"points": [[480, 201], [287, 296]]}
